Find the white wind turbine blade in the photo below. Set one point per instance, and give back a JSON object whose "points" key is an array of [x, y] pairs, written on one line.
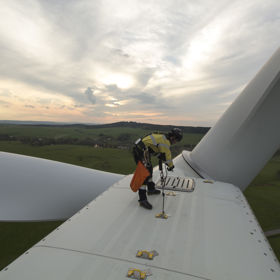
{"points": [[34, 189], [247, 135]]}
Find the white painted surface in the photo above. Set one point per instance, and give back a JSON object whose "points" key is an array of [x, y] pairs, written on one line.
{"points": [[211, 234], [247, 135], [39, 189]]}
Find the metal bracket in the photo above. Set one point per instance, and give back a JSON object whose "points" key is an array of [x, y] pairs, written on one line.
{"points": [[171, 193], [146, 254], [138, 274], [162, 215]]}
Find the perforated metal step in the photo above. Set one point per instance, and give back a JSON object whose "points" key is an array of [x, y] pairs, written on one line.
{"points": [[177, 184]]}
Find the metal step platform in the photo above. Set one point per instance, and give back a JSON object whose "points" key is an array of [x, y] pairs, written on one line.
{"points": [[177, 184]]}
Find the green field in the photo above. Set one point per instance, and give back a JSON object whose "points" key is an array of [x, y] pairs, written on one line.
{"points": [[70, 132], [112, 135], [107, 159], [263, 195], [15, 238]]}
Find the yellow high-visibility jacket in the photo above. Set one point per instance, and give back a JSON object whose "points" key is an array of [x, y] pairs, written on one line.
{"points": [[159, 144]]}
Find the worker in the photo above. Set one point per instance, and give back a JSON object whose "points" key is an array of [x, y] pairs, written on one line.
{"points": [[154, 145]]}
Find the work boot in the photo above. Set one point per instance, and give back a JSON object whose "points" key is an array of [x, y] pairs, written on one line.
{"points": [[151, 188], [145, 204], [153, 191], [143, 199]]}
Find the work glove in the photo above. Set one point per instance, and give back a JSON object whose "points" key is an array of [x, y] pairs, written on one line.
{"points": [[170, 168]]}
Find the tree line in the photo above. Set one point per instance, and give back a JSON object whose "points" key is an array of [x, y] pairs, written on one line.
{"points": [[123, 141]]}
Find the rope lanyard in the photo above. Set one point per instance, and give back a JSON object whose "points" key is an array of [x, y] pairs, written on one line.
{"points": [[163, 181]]}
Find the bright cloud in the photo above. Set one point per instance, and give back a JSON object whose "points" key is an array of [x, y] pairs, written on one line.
{"points": [[122, 81]]}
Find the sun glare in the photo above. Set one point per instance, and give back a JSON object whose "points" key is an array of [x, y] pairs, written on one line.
{"points": [[202, 47], [122, 81]]}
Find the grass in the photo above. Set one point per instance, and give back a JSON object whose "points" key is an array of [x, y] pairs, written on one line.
{"points": [[16, 238], [107, 159], [74, 132], [275, 244], [263, 195]]}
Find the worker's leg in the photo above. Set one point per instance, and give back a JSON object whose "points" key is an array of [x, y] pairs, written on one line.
{"points": [[143, 198], [150, 184], [151, 188], [138, 156]]}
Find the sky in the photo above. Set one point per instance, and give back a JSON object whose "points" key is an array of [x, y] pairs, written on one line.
{"points": [[162, 61]]}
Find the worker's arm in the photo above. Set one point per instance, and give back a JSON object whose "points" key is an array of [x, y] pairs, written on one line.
{"points": [[165, 149]]}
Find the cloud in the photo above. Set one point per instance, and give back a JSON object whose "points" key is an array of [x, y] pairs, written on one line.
{"points": [[4, 103], [145, 98], [29, 106], [150, 100], [90, 96], [144, 75], [182, 59]]}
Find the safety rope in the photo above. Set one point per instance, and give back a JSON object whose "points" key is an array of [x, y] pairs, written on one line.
{"points": [[163, 181]]}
